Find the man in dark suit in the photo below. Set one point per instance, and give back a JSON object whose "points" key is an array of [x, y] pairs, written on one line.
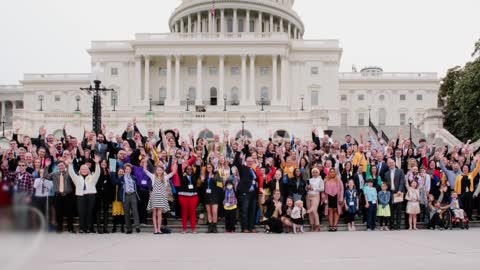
{"points": [[395, 179], [250, 177], [64, 199], [347, 144], [399, 161], [381, 164], [360, 178]]}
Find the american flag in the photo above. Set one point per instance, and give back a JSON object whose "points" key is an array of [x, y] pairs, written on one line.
{"points": [[213, 8]]}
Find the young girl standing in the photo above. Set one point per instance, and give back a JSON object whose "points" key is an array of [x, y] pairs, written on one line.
{"points": [[383, 211], [413, 205], [351, 204], [230, 206], [158, 202]]}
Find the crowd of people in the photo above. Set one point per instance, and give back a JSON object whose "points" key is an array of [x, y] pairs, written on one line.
{"points": [[277, 184]]}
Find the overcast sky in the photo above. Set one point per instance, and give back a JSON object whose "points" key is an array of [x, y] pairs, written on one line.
{"points": [[51, 36]]}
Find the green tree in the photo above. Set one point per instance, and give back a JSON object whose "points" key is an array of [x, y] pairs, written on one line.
{"points": [[461, 90]]}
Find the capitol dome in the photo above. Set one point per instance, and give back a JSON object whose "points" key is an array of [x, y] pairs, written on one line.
{"points": [[236, 16]]}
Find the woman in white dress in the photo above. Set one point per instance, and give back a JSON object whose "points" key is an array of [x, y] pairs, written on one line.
{"points": [[158, 202]]}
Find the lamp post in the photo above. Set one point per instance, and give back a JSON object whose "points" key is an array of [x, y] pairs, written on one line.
{"points": [[150, 103], [97, 104], [224, 103], [262, 99], [114, 98], [77, 99], [4, 120], [40, 98], [188, 101], [410, 123], [243, 119], [302, 97]]}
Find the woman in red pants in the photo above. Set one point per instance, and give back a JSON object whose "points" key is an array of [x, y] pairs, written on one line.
{"points": [[188, 198]]}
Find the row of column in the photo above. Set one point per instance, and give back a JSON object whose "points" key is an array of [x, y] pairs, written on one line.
{"points": [[209, 25], [247, 94]]}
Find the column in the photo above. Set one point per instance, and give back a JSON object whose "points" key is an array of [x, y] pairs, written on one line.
{"points": [[182, 26], [169, 96], [221, 83], [222, 21], [189, 27], [3, 109], [198, 95], [289, 30], [244, 80], [295, 31], [175, 28], [176, 95], [252, 80], [138, 96], [259, 30], [235, 21], [210, 24], [199, 22], [271, 23], [247, 27], [281, 25], [274, 79], [284, 79], [147, 78]]}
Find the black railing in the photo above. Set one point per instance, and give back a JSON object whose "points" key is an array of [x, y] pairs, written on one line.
{"points": [[373, 127], [385, 137]]}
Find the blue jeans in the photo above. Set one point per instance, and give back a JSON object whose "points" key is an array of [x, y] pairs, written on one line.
{"points": [[248, 203], [371, 216]]}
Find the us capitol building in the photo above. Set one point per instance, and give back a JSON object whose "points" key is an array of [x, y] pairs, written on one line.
{"points": [[242, 56]]}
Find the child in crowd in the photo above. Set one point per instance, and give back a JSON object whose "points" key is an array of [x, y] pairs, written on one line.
{"points": [[383, 212], [230, 206], [456, 207], [413, 204], [298, 216], [435, 211], [371, 198], [351, 204]]}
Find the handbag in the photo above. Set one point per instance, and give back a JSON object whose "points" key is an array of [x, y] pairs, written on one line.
{"points": [[397, 198]]}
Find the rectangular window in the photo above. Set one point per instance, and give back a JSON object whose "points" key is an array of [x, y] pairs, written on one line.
{"points": [[314, 71], [361, 119], [192, 71], [403, 97], [344, 119], [403, 119], [57, 98], [213, 71], [419, 97], [235, 70], [264, 71], [343, 97], [361, 97], [314, 97], [163, 71], [114, 71]]}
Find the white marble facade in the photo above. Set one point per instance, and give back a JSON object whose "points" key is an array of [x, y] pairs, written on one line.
{"points": [[250, 51]]}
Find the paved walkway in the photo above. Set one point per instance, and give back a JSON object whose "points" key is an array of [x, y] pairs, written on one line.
{"points": [[341, 250]]}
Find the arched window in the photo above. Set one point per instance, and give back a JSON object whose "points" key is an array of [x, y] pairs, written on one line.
{"points": [[382, 117], [241, 24], [206, 134], [230, 25], [245, 132], [213, 96], [8, 114], [282, 134], [235, 96], [162, 96], [192, 93], [19, 104]]}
